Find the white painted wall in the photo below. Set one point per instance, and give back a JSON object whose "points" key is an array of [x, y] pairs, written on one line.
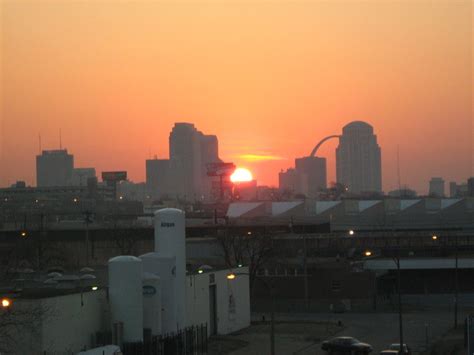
{"points": [[197, 299], [69, 326], [230, 319], [232, 300], [64, 326]]}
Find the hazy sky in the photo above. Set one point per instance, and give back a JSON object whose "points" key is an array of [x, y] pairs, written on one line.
{"points": [[269, 78]]}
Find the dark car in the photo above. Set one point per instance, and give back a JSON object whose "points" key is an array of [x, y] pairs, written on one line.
{"points": [[346, 345]]}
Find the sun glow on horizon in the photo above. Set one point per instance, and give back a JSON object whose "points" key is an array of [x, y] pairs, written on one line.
{"points": [[241, 175]]}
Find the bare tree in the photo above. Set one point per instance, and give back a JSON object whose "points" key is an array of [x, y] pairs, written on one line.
{"points": [[252, 248], [20, 319], [124, 239], [21, 324]]}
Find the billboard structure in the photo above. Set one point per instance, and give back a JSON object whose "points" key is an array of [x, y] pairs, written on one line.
{"points": [[111, 178], [223, 171], [114, 176]]}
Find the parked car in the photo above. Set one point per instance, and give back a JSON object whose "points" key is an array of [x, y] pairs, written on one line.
{"points": [[346, 345], [396, 347]]}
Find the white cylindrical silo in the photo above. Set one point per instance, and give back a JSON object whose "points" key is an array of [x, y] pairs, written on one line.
{"points": [[152, 303], [170, 240], [126, 296], [164, 268]]}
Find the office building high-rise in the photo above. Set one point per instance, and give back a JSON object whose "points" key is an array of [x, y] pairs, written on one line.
{"points": [[54, 168], [463, 189], [184, 174], [358, 159], [314, 168], [157, 171], [209, 155], [185, 153], [470, 187], [293, 181], [307, 178], [436, 187], [80, 176]]}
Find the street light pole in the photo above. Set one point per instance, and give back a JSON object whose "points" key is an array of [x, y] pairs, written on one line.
{"points": [[400, 320], [271, 290], [305, 265], [272, 321], [87, 220], [305, 271], [396, 260]]}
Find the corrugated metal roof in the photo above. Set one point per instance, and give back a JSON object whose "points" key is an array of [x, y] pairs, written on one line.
{"points": [[363, 205], [322, 206], [282, 207], [404, 204], [446, 202], [238, 209]]}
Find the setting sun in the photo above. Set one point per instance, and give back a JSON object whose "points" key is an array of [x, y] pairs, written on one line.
{"points": [[241, 175]]}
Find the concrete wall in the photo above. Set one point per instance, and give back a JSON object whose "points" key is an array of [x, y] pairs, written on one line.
{"points": [[232, 300], [71, 326], [59, 325], [197, 299]]}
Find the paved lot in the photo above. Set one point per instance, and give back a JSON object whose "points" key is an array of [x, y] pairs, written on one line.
{"points": [[378, 329]]}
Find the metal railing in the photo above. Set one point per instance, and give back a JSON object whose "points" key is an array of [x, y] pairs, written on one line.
{"points": [[189, 341]]}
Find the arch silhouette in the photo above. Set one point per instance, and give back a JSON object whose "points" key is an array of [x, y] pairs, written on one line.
{"points": [[315, 149]]}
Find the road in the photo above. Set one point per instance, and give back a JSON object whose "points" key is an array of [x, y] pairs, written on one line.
{"points": [[377, 329]]}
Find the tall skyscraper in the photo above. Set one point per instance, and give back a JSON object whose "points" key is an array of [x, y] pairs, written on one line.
{"points": [[307, 178], [80, 176], [209, 154], [470, 187], [358, 159], [184, 174], [314, 168], [436, 187], [54, 168], [185, 153], [293, 181], [157, 171]]}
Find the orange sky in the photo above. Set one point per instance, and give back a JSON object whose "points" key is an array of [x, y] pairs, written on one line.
{"points": [[268, 77]]}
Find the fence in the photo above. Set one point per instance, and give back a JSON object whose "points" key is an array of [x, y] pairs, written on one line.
{"points": [[189, 341]]}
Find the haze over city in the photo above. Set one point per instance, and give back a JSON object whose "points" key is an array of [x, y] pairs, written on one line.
{"points": [[236, 177], [270, 79]]}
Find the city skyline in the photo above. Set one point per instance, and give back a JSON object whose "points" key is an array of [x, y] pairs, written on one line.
{"points": [[254, 158], [268, 92], [358, 168], [171, 170]]}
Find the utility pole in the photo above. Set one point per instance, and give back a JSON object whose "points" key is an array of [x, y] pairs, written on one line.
{"points": [[305, 271], [305, 266], [87, 220], [272, 321], [456, 284], [270, 286], [40, 241], [400, 321]]}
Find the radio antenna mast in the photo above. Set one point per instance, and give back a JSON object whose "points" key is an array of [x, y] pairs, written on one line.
{"points": [[398, 170]]}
